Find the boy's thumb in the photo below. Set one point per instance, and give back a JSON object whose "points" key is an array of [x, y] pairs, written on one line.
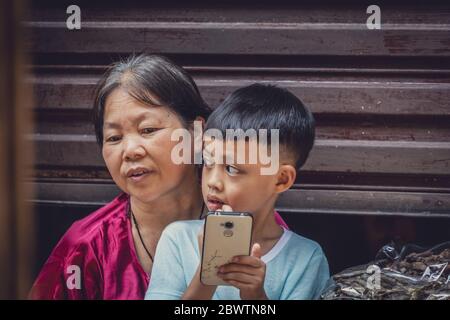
{"points": [[256, 251]]}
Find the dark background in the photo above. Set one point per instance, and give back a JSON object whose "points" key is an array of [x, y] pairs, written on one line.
{"points": [[380, 170]]}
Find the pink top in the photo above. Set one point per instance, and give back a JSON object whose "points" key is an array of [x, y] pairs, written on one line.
{"points": [[101, 246]]}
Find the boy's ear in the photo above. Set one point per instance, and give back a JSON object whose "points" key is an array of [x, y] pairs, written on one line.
{"points": [[285, 178]]}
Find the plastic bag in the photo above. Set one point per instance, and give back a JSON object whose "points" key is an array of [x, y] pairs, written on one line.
{"points": [[407, 273]]}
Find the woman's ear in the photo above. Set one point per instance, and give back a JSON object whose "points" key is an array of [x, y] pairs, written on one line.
{"points": [[285, 178]]}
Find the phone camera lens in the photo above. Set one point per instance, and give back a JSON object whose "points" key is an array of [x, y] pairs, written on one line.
{"points": [[229, 225]]}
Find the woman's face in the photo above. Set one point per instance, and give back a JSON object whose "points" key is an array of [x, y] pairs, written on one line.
{"points": [[137, 148]]}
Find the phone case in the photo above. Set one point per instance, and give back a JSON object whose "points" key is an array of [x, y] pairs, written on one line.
{"points": [[222, 242]]}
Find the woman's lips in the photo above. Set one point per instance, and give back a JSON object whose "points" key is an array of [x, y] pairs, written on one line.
{"points": [[140, 177]]}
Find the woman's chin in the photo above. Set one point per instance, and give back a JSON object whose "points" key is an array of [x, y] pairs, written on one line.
{"points": [[144, 196], [144, 192]]}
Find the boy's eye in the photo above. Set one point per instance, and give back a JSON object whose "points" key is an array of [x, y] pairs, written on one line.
{"points": [[231, 170], [113, 139]]}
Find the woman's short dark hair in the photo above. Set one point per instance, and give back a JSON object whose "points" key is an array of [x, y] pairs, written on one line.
{"points": [[146, 78]]}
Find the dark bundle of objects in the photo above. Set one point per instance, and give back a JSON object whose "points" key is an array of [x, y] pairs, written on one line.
{"points": [[407, 273]]}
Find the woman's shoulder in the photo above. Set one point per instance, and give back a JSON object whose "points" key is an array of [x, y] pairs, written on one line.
{"points": [[85, 248], [111, 219]]}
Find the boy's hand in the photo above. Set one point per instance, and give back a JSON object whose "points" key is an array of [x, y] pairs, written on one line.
{"points": [[225, 208], [247, 273]]}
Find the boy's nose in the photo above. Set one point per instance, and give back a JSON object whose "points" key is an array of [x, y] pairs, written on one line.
{"points": [[214, 181]]}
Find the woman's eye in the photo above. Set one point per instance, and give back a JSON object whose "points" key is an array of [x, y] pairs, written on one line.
{"points": [[231, 170], [113, 139], [148, 130]]}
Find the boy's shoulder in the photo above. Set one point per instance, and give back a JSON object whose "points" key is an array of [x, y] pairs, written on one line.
{"points": [[302, 246], [182, 228]]}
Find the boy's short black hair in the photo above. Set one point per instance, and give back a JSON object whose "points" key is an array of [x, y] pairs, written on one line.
{"points": [[263, 106]]}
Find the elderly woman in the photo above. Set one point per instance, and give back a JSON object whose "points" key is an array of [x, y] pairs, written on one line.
{"points": [[109, 254]]}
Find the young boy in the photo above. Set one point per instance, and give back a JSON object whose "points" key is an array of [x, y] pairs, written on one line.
{"points": [[282, 264]]}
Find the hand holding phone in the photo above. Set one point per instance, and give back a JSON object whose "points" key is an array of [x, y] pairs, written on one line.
{"points": [[247, 273], [226, 235]]}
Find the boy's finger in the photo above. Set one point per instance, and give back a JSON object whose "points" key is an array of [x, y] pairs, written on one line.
{"points": [[256, 251], [234, 267], [237, 284], [239, 277], [248, 260], [227, 208]]}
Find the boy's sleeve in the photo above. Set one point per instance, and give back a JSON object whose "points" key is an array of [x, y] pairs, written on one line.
{"points": [[313, 279], [167, 280]]}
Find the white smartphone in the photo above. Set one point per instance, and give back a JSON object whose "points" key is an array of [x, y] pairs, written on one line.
{"points": [[225, 235]]}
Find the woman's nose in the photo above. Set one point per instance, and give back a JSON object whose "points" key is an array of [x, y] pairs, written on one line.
{"points": [[133, 150]]}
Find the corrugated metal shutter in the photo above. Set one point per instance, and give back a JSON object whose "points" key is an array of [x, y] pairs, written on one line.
{"points": [[380, 98]]}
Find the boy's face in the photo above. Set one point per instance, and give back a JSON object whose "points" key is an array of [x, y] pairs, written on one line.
{"points": [[241, 186]]}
